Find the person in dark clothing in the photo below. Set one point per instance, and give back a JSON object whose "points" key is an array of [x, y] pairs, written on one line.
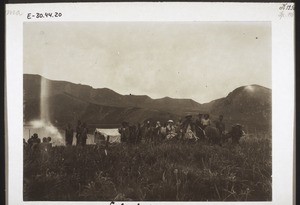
{"points": [[124, 131], [179, 129], [34, 139], [200, 117], [69, 135], [199, 127], [132, 134], [148, 131], [220, 125], [78, 133], [24, 143], [44, 145], [188, 122], [84, 132], [236, 133], [163, 131], [34, 144], [157, 132], [30, 141]]}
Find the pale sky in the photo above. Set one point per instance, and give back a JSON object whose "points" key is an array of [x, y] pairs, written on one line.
{"points": [[198, 60]]}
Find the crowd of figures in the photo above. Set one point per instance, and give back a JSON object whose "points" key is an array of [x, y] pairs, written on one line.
{"points": [[187, 129], [34, 140], [201, 129], [37, 146], [81, 134]]}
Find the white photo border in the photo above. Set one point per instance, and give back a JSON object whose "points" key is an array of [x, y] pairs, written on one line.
{"points": [[283, 83]]}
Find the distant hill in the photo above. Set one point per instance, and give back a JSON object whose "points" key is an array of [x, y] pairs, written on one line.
{"points": [[68, 102], [250, 105], [105, 96]]}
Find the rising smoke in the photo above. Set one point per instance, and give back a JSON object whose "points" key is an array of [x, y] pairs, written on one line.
{"points": [[44, 124]]}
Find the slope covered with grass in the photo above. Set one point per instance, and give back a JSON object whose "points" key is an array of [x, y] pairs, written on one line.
{"points": [[166, 171]]}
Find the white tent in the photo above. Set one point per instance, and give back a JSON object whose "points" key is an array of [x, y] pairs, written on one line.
{"points": [[114, 135]]}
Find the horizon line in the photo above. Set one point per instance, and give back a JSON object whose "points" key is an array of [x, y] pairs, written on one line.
{"points": [[145, 94]]}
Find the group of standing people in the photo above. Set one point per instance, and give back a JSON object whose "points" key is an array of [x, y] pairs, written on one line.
{"points": [[194, 129], [130, 133], [35, 140], [37, 146], [183, 129], [81, 134], [186, 129]]}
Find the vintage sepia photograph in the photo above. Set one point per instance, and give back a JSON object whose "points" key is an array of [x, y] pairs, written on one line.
{"points": [[147, 111]]}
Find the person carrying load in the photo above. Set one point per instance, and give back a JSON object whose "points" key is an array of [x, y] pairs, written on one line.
{"points": [[189, 128]]}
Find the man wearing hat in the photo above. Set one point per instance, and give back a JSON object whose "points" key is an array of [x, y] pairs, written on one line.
{"points": [[171, 132]]}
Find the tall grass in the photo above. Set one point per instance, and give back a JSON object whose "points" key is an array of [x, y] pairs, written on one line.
{"points": [[167, 171]]}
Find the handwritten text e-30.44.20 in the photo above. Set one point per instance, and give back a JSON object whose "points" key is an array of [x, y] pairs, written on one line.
{"points": [[44, 15]]}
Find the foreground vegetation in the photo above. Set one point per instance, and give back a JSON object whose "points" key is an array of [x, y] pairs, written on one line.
{"points": [[166, 171]]}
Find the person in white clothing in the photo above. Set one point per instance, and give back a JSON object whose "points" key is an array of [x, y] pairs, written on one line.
{"points": [[205, 120], [171, 132]]}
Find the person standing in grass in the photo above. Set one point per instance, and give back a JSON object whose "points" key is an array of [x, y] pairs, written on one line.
{"points": [[45, 149], [171, 130], [34, 143], [205, 121], [199, 127], [25, 144], [84, 134], [132, 134], [163, 132], [236, 133], [148, 131], [157, 132], [220, 125], [179, 128], [124, 131], [198, 121], [189, 128], [69, 135], [78, 133]]}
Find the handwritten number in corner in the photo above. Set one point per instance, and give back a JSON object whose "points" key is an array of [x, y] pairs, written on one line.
{"points": [[286, 11], [44, 15]]}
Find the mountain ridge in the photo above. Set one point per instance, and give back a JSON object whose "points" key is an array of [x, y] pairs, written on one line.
{"points": [[244, 104]]}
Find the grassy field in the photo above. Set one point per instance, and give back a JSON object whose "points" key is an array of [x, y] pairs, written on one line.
{"points": [[167, 171]]}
